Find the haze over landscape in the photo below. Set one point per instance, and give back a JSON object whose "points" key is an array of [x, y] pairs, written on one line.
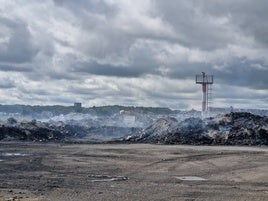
{"points": [[99, 101], [141, 53]]}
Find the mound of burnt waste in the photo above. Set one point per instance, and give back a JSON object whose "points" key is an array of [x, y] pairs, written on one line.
{"points": [[32, 131], [245, 129], [228, 129], [11, 129]]}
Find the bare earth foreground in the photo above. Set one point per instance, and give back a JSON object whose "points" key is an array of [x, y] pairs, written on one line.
{"points": [[32, 171]]}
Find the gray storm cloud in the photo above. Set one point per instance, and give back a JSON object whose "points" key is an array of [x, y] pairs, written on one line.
{"points": [[16, 45], [144, 52]]}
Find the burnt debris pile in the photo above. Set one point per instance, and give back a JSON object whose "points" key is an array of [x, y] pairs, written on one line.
{"points": [[229, 129], [33, 130], [247, 129], [239, 128]]}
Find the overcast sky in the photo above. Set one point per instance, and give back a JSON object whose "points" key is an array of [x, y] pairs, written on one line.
{"points": [[139, 53]]}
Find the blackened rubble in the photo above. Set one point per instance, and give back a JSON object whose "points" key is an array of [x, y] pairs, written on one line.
{"points": [[31, 131], [58, 131], [229, 129]]}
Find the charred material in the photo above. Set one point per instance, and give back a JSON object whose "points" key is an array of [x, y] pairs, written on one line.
{"points": [[228, 129], [44, 132], [31, 131]]}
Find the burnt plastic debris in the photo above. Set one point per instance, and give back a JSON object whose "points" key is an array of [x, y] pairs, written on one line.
{"points": [[228, 129], [240, 128]]}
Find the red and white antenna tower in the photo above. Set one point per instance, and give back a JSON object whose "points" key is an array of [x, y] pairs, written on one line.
{"points": [[206, 81]]}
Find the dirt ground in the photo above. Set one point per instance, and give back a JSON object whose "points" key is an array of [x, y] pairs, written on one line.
{"points": [[63, 172]]}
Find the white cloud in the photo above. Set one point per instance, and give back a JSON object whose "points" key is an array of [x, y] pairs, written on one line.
{"points": [[143, 52]]}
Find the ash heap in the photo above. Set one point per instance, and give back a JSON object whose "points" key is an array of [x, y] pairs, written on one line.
{"points": [[228, 129], [117, 124]]}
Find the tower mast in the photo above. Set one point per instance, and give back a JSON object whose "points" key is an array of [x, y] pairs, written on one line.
{"points": [[205, 81]]}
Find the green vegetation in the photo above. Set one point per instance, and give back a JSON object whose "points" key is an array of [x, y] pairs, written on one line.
{"points": [[101, 110]]}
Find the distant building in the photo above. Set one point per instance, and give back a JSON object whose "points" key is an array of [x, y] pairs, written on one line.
{"points": [[77, 107]]}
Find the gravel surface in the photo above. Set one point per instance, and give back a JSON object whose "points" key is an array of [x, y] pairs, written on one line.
{"points": [[61, 172]]}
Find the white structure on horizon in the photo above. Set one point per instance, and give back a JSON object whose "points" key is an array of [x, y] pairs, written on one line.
{"points": [[128, 117]]}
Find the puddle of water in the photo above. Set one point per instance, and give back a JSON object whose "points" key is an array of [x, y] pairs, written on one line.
{"points": [[106, 178], [14, 154], [191, 178]]}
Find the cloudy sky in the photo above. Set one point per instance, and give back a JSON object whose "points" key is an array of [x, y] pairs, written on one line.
{"points": [[140, 53]]}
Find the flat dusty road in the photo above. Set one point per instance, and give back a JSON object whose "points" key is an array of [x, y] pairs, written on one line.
{"points": [[62, 172]]}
